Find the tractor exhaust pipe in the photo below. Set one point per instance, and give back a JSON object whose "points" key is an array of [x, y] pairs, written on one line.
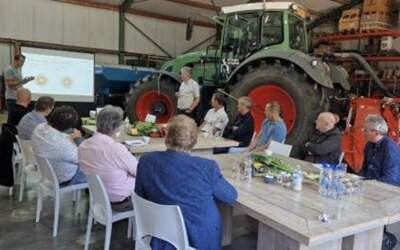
{"points": [[367, 68]]}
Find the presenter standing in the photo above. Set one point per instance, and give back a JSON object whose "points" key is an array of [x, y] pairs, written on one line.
{"points": [[14, 80], [189, 94]]}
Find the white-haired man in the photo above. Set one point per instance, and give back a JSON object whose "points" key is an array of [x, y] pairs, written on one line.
{"points": [[381, 154], [189, 93]]}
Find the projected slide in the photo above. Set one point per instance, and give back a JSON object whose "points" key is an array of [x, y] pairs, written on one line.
{"points": [[66, 76]]}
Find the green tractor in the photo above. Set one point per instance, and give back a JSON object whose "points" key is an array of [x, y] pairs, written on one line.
{"points": [[262, 53]]}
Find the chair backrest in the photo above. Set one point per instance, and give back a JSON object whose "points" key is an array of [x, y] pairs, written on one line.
{"points": [[26, 150], [161, 221], [280, 148], [99, 201], [47, 172]]}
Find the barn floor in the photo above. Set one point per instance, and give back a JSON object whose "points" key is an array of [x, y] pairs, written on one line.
{"points": [[18, 229]]}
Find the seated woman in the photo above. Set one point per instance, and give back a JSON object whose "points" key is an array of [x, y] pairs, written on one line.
{"points": [[109, 159], [324, 145], [216, 118], [49, 141], [175, 177]]}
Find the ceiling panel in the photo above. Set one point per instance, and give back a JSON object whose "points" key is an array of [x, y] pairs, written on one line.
{"points": [[171, 8]]}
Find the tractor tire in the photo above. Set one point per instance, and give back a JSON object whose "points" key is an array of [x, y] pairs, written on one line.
{"points": [[301, 101], [152, 98]]}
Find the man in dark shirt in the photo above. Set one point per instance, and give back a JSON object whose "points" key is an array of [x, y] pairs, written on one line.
{"points": [[242, 128], [381, 154], [17, 111], [324, 145], [381, 161]]}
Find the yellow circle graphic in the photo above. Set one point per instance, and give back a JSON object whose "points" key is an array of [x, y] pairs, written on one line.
{"points": [[66, 82], [41, 80]]}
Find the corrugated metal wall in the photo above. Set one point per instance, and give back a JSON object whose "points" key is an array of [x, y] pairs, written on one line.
{"points": [[53, 22], [66, 24], [170, 35]]}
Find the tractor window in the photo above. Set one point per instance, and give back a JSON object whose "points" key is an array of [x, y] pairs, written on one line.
{"points": [[297, 33], [272, 29], [242, 34]]}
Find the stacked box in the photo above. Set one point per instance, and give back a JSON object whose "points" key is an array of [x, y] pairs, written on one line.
{"points": [[379, 6], [376, 15], [350, 21], [374, 21]]}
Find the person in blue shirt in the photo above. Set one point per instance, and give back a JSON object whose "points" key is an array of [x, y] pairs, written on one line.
{"points": [[43, 107], [273, 128], [381, 154], [195, 184]]}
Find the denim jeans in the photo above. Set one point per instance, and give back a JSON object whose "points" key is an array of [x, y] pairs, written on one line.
{"points": [[78, 178]]}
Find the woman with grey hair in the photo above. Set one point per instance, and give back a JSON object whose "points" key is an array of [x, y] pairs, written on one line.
{"points": [[103, 155], [175, 177], [381, 154]]}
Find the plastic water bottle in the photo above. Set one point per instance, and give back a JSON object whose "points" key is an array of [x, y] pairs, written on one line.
{"points": [[297, 180], [325, 179], [338, 188], [248, 171], [333, 191]]}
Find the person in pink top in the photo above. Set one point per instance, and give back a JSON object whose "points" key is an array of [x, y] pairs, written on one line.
{"points": [[103, 156]]}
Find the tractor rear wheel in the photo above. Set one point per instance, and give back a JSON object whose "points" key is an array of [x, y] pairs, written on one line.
{"points": [[152, 98], [299, 99]]}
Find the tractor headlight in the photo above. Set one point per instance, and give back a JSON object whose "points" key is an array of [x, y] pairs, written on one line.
{"points": [[314, 62]]}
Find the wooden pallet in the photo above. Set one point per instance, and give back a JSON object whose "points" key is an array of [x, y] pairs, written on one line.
{"points": [[368, 27]]}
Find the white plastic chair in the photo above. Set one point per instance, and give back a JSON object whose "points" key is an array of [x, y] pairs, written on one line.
{"points": [[100, 211], [280, 148], [27, 164], [16, 161], [49, 186], [164, 222]]}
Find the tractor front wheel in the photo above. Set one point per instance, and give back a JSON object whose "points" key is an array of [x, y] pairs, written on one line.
{"points": [[152, 98]]}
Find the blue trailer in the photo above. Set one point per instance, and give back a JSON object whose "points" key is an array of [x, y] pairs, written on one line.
{"points": [[113, 83]]}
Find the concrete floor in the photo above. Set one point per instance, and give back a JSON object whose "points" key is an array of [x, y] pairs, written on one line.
{"points": [[18, 229]]}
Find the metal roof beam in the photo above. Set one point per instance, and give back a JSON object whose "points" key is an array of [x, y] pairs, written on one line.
{"points": [[196, 4]]}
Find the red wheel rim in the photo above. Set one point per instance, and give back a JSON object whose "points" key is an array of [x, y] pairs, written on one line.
{"points": [[268, 93], [146, 102]]}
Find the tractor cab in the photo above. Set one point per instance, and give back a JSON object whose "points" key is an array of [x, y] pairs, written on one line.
{"points": [[250, 28]]}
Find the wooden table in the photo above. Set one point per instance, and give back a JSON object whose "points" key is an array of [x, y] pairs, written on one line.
{"points": [[289, 220], [204, 144]]}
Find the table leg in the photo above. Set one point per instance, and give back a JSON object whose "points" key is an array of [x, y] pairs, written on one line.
{"points": [[227, 222], [270, 239], [367, 240]]}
